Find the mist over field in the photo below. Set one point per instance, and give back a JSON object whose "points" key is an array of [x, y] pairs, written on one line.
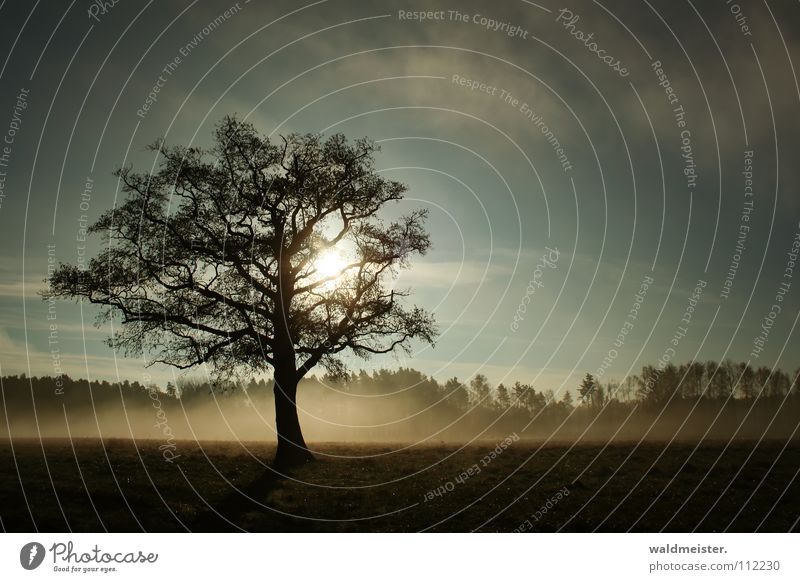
{"points": [[402, 406]]}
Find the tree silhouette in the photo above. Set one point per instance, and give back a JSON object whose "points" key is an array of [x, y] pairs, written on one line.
{"points": [[480, 391], [587, 388], [747, 377], [503, 399], [456, 393], [215, 259]]}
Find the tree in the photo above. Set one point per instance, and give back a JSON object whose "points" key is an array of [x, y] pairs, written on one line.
{"points": [[658, 385], [456, 393], [257, 255], [796, 382], [480, 391], [566, 400], [600, 396], [693, 373], [730, 377], [628, 387], [718, 379], [747, 380], [586, 389], [503, 400], [762, 376], [521, 395], [779, 384], [612, 391]]}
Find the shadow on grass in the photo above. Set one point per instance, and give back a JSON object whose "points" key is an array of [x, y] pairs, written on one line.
{"points": [[245, 508]]}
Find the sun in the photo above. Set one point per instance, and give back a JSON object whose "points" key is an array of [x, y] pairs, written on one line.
{"points": [[329, 264]]}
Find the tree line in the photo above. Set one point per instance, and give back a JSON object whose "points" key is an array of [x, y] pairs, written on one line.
{"points": [[406, 404]]}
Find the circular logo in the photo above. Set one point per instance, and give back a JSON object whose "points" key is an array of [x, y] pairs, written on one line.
{"points": [[31, 555]]}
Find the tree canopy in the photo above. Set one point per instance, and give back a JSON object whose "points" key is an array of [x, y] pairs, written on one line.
{"points": [[218, 257]]}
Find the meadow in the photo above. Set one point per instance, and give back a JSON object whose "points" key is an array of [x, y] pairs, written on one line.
{"points": [[129, 485]]}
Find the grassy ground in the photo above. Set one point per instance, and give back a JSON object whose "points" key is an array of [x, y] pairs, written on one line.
{"points": [[127, 486]]}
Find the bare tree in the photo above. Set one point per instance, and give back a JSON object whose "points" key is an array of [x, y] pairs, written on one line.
{"points": [[219, 258]]}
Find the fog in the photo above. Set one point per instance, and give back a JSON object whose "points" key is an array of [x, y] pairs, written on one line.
{"points": [[400, 406]]}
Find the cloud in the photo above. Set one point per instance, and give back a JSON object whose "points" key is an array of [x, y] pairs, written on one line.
{"points": [[452, 273]]}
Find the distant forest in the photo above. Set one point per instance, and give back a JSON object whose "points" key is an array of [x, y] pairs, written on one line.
{"points": [[709, 400]]}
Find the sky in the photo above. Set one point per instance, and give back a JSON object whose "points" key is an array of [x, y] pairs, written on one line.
{"points": [[610, 184]]}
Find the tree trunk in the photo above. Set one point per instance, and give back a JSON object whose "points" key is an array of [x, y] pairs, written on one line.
{"points": [[292, 450]]}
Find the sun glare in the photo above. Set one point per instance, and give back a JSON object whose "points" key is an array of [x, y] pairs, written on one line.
{"points": [[330, 264]]}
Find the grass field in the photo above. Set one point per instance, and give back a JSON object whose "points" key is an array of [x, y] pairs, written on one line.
{"points": [[213, 486]]}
